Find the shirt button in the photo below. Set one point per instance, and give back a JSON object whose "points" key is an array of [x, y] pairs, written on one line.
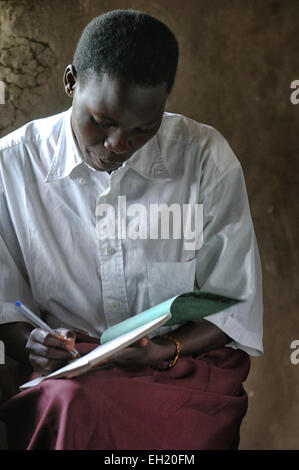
{"points": [[115, 304], [111, 250], [82, 181]]}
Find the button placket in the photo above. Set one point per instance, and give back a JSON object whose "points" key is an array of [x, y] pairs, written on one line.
{"points": [[111, 267]]}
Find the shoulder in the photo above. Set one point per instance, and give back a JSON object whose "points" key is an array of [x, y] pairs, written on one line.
{"points": [[184, 128], [201, 144], [33, 132], [29, 149]]}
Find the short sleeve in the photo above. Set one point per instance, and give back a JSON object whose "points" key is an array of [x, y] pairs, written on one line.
{"points": [[228, 262]]}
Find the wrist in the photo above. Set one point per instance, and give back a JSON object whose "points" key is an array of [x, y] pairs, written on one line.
{"points": [[171, 349]]}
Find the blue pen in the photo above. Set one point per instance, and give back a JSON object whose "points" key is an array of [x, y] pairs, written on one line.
{"points": [[41, 324]]}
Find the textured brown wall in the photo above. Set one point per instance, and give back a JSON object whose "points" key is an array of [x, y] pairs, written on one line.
{"points": [[237, 61]]}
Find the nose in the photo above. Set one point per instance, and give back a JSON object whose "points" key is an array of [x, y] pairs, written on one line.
{"points": [[118, 142]]}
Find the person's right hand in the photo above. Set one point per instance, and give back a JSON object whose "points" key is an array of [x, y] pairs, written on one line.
{"points": [[47, 352]]}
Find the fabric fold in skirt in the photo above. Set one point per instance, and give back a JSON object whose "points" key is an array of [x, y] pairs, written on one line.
{"points": [[199, 404]]}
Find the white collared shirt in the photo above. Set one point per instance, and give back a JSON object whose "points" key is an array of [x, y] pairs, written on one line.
{"points": [[55, 259]]}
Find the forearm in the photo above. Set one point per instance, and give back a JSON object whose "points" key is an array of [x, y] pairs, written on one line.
{"points": [[15, 336], [195, 338]]}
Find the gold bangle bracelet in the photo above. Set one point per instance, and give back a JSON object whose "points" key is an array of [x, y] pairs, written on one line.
{"points": [[177, 352]]}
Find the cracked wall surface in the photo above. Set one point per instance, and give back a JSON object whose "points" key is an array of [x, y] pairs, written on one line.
{"points": [[26, 65], [237, 61], [24, 69]]}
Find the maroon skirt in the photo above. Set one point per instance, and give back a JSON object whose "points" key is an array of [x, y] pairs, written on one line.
{"points": [[199, 404]]}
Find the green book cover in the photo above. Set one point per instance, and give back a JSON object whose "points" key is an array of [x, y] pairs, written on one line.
{"points": [[185, 307]]}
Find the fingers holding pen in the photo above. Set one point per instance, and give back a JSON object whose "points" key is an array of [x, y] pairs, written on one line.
{"points": [[47, 352], [45, 339]]}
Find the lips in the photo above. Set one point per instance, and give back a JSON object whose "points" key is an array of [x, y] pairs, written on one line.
{"points": [[101, 161], [107, 163]]}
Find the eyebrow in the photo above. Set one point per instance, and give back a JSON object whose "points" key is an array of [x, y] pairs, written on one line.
{"points": [[107, 118]]}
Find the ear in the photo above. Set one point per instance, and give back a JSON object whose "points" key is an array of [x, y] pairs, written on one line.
{"points": [[69, 79]]}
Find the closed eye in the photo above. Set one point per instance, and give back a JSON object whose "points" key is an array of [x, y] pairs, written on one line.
{"points": [[103, 124], [108, 124]]}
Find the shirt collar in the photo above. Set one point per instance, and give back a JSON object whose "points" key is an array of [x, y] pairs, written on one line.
{"points": [[147, 160]]}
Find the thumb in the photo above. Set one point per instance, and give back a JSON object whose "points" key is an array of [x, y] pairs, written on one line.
{"points": [[142, 342], [68, 335]]}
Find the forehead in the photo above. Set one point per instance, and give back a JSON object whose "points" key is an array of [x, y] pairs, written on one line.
{"points": [[120, 100]]}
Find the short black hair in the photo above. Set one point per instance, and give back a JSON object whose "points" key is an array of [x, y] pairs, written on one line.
{"points": [[128, 45]]}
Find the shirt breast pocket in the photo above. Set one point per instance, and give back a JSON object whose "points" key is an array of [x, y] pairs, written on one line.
{"points": [[166, 280]]}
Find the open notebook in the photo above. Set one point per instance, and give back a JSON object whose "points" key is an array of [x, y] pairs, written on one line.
{"points": [[185, 307]]}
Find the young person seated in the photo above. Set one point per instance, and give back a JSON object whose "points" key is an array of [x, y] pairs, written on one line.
{"points": [[55, 175]]}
